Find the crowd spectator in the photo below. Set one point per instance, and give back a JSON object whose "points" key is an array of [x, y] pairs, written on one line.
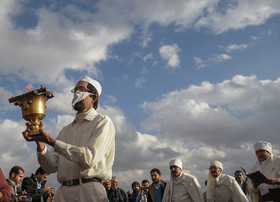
{"points": [[239, 177], [222, 187], [116, 194], [35, 186], [181, 186], [156, 189], [15, 177], [135, 190], [144, 190]]}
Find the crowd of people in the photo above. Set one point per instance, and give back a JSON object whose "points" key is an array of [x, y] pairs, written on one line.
{"points": [[220, 187], [83, 155], [181, 187], [32, 188]]}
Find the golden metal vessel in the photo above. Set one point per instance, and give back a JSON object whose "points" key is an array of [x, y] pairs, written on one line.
{"points": [[33, 105]]}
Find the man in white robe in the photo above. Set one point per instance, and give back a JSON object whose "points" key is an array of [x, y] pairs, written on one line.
{"points": [[269, 165], [222, 187], [83, 153], [181, 187]]}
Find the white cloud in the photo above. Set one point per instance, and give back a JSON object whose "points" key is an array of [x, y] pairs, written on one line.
{"points": [[199, 63], [76, 39], [57, 43], [170, 53], [220, 57], [240, 14], [214, 58], [140, 81], [147, 57], [234, 47]]}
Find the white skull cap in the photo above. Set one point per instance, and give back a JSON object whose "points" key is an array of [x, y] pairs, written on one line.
{"points": [[216, 163], [263, 145], [93, 82], [176, 162]]}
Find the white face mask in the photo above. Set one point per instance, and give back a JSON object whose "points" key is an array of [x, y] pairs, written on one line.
{"points": [[78, 96]]}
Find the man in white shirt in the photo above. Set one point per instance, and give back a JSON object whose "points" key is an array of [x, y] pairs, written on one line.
{"points": [[83, 153], [181, 187], [222, 187], [269, 165]]}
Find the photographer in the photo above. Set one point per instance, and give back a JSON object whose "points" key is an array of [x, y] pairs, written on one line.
{"points": [[35, 186], [144, 190], [15, 177]]}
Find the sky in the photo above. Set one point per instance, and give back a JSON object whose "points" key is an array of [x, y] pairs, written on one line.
{"points": [[196, 80]]}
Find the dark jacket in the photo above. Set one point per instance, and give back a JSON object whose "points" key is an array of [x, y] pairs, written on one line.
{"points": [[151, 195], [243, 187], [116, 195], [30, 186], [132, 197]]}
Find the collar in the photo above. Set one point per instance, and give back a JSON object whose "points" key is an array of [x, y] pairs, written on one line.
{"points": [[158, 185], [88, 115], [13, 183]]}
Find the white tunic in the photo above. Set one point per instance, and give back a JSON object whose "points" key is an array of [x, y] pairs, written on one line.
{"points": [[226, 189], [83, 149], [186, 188], [270, 168]]}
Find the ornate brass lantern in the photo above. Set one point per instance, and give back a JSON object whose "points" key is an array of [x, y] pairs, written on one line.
{"points": [[33, 106]]}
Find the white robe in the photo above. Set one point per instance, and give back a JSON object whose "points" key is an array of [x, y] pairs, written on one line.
{"points": [[226, 189], [271, 169], [185, 188]]}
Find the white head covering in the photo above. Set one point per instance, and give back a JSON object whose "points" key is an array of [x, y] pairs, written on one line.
{"points": [[210, 181], [216, 163], [93, 82], [176, 162], [263, 145]]}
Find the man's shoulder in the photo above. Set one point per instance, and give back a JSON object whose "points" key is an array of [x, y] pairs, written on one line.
{"points": [[27, 179], [188, 176], [227, 179], [276, 158]]}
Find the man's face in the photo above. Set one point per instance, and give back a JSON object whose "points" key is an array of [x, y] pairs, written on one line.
{"points": [[239, 177], [42, 177], [87, 103], [262, 155], [156, 178], [17, 178], [136, 188], [115, 183], [107, 185], [215, 171], [175, 170]]}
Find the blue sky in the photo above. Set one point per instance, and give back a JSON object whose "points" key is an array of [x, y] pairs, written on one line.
{"points": [[195, 80]]}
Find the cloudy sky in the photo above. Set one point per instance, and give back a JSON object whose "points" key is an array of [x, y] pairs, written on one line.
{"points": [[188, 79]]}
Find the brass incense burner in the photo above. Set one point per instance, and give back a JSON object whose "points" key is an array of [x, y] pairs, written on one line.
{"points": [[32, 106]]}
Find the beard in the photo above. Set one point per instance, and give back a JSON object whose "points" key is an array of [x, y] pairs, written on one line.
{"points": [[79, 106]]}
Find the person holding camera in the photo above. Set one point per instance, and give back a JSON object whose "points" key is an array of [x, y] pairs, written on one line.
{"points": [[35, 186], [144, 191], [15, 177]]}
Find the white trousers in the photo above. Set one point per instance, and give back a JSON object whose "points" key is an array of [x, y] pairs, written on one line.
{"points": [[91, 191]]}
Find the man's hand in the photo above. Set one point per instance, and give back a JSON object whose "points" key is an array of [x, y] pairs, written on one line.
{"points": [[41, 139], [48, 190], [271, 181]]}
